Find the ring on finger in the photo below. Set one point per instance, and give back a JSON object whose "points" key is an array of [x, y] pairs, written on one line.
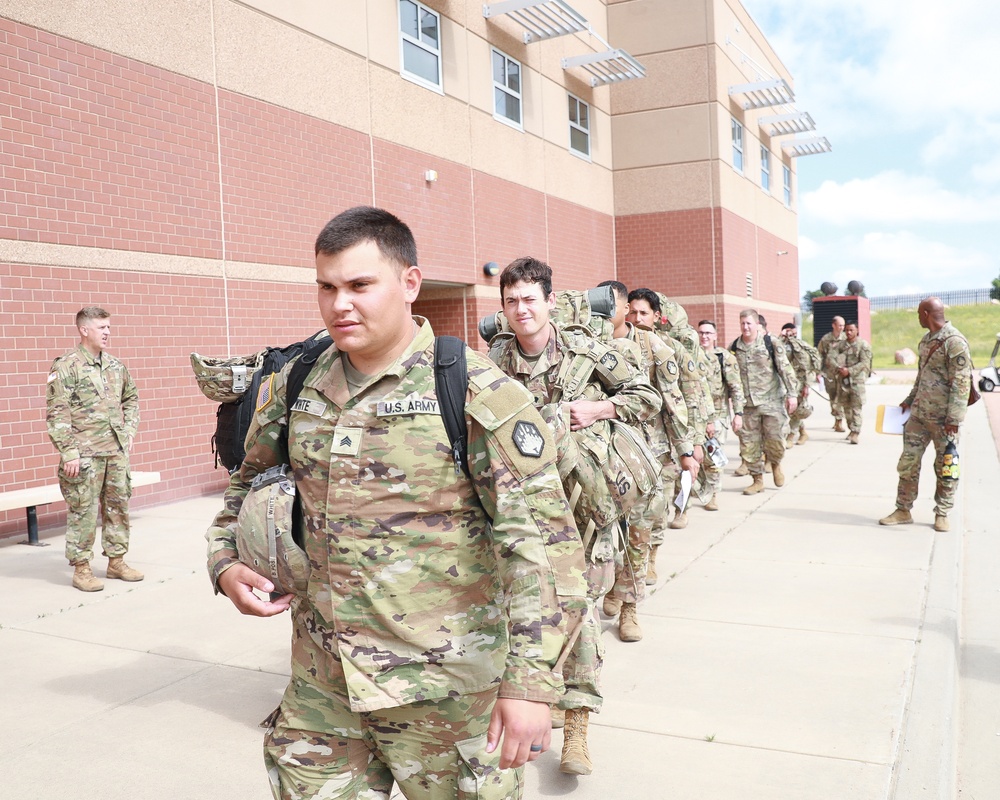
{"points": [[535, 748]]}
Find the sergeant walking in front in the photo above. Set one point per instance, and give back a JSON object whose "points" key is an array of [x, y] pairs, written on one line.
{"points": [[830, 373], [93, 415], [579, 383], [853, 358], [425, 649], [770, 388], [937, 402]]}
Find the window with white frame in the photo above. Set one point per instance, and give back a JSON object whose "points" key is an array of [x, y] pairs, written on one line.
{"points": [[579, 126], [788, 185], [737, 146], [765, 169], [506, 89], [420, 44]]}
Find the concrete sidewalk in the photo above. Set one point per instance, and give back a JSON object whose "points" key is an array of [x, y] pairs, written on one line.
{"points": [[793, 649]]}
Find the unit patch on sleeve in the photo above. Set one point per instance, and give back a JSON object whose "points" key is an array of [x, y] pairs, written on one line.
{"points": [[610, 360], [528, 440], [672, 367]]}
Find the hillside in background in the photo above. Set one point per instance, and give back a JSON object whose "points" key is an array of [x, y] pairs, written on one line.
{"points": [[894, 330]]}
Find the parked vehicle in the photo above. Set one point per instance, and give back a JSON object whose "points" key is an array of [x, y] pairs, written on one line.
{"points": [[988, 377]]}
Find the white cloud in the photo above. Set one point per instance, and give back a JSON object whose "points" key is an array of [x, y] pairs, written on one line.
{"points": [[896, 198]]}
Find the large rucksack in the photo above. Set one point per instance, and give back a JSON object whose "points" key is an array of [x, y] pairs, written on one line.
{"points": [[588, 310]]}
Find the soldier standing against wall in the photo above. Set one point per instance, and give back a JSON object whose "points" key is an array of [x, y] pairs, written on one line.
{"points": [[431, 626], [770, 388], [853, 357], [830, 374], [727, 393], [938, 402], [798, 356], [93, 415]]}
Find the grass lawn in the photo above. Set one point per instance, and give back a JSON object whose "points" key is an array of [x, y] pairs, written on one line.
{"points": [[894, 330]]}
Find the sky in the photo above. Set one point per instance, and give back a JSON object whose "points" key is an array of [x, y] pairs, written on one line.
{"points": [[908, 93]]}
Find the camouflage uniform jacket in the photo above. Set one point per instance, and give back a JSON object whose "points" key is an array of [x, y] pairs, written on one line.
{"points": [[676, 331], [799, 358], [941, 391], [825, 345], [409, 578], [762, 384], [92, 405], [669, 430], [725, 382], [857, 357]]}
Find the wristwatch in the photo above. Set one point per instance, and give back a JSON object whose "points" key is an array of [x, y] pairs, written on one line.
{"points": [[688, 455]]}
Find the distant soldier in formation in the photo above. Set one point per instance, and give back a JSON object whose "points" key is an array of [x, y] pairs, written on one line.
{"points": [[801, 359], [937, 402], [93, 415], [830, 375], [770, 388], [853, 358], [727, 399]]}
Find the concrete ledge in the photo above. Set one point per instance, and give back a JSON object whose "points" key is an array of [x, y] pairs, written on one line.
{"points": [[49, 493]]}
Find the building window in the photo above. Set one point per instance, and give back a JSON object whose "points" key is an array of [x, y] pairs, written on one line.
{"points": [[420, 44], [579, 126], [765, 169], [506, 89], [788, 185], [737, 147]]}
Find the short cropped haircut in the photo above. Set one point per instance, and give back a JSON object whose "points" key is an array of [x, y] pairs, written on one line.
{"points": [[853, 322], [787, 325], [708, 322], [366, 224], [749, 312], [619, 288], [648, 295], [86, 314], [527, 270]]}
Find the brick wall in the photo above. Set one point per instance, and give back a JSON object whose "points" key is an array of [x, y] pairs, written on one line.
{"points": [[581, 245]]}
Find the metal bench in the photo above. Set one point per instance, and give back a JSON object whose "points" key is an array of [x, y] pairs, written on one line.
{"points": [[36, 496]]}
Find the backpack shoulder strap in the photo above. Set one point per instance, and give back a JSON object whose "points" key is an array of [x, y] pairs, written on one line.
{"points": [[451, 383], [770, 349]]}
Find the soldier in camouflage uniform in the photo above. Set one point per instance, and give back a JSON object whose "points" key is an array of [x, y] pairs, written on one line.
{"points": [[668, 437], [798, 356], [830, 376], [670, 321], [770, 388], [546, 360], [937, 402], [853, 358], [727, 398], [93, 415], [437, 606]]}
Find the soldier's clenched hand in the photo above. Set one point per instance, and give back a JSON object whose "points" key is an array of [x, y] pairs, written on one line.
{"points": [[523, 724], [238, 583]]}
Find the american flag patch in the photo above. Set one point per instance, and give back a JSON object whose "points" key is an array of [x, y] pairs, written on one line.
{"points": [[265, 395]]}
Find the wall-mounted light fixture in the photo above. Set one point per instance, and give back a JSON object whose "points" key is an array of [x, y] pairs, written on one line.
{"points": [[431, 175], [782, 252], [491, 269]]}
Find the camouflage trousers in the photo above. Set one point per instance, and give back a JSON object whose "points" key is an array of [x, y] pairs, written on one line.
{"points": [[630, 568], [803, 411], [316, 747], [851, 399], [832, 384], [917, 434], [710, 476], [670, 475], [582, 669], [762, 434], [103, 481]]}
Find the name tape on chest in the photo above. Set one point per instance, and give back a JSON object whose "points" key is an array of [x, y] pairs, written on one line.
{"points": [[408, 406], [313, 407]]}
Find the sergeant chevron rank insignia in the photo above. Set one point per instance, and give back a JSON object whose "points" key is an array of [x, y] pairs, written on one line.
{"points": [[528, 440], [346, 441]]}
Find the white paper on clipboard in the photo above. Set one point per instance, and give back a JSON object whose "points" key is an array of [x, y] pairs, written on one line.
{"points": [[682, 496], [891, 419]]}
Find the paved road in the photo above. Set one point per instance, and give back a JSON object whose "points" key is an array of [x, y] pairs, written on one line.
{"points": [[794, 649]]}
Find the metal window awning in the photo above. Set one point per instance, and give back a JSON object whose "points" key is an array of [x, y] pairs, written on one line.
{"points": [[785, 124], [541, 19], [763, 94], [610, 66], [807, 147]]}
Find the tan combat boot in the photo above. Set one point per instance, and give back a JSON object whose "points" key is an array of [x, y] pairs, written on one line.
{"points": [[838, 426], [852, 437], [756, 486], [651, 567], [612, 605], [790, 440], [117, 568], [575, 757], [803, 436], [679, 521], [84, 578], [628, 624], [711, 505], [742, 470], [898, 517], [941, 523], [777, 474]]}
